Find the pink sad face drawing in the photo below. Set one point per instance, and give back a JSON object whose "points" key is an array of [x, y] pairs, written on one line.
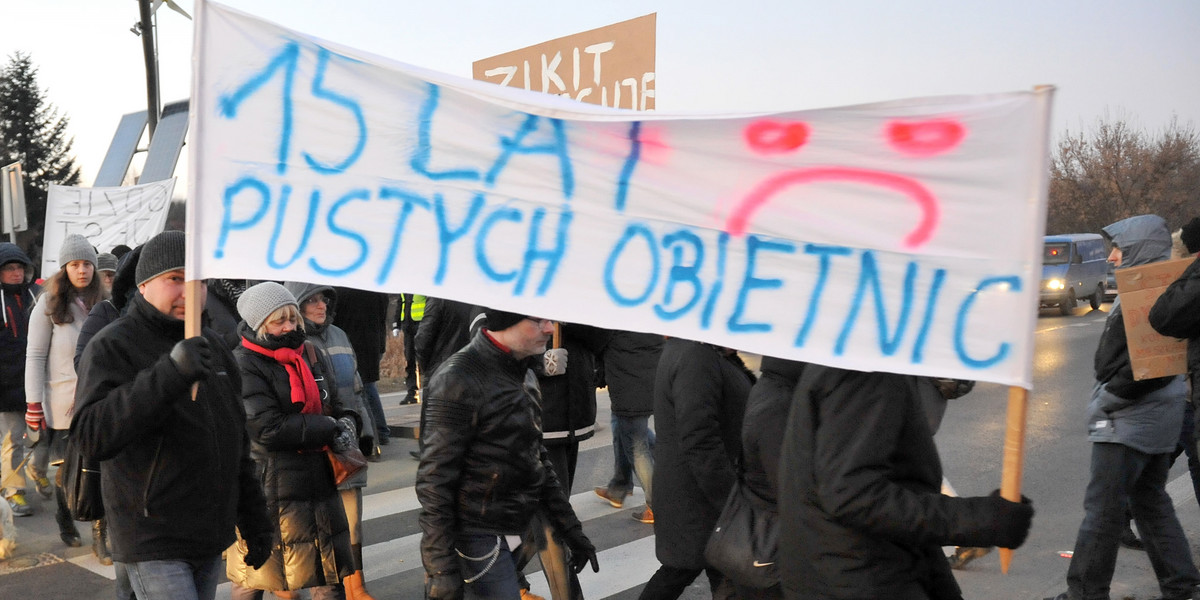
{"points": [[916, 139]]}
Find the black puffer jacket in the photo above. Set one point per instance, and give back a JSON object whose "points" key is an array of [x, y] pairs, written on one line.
{"points": [[312, 537], [764, 424], [444, 330], [483, 469], [176, 473], [699, 399], [1176, 313], [859, 493], [630, 361]]}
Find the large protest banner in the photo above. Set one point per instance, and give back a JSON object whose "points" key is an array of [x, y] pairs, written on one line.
{"points": [[610, 66], [106, 216], [903, 236]]}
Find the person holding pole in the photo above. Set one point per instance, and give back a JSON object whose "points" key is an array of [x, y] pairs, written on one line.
{"points": [[176, 473], [860, 504], [1134, 426]]}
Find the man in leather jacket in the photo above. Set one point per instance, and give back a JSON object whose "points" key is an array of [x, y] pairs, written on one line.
{"points": [[484, 472]]}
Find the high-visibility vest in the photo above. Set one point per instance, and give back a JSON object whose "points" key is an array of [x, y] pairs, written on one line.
{"points": [[415, 304]]}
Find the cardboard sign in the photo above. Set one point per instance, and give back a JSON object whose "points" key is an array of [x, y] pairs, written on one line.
{"points": [[1152, 354], [902, 236], [106, 216], [609, 66]]}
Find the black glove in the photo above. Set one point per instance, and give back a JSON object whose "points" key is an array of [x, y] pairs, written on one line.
{"points": [[258, 549], [582, 551], [193, 358], [1011, 521], [447, 586]]}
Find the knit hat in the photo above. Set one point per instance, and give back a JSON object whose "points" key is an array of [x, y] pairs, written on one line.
{"points": [[106, 262], [259, 301], [162, 254], [76, 247], [1190, 235], [499, 320]]}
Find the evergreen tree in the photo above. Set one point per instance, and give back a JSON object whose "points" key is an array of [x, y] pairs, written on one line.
{"points": [[33, 134]]}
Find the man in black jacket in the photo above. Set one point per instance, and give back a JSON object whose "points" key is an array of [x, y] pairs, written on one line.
{"points": [[177, 474], [17, 296], [484, 470]]}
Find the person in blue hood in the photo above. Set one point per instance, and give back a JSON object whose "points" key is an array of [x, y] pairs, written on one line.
{"points": [[17, 296], [1134, 426]]}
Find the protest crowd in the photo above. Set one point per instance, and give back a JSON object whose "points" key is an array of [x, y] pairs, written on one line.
{"points": [[241, 452]]}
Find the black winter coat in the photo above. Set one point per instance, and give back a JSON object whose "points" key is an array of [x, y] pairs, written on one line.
{"points": [[630, 362], [859, 493], [18, 300], [569, 400], [699, 399], [484, 468], [444, 330], [764, 425], [312, 536], [1176, 313], [176, 473], [363, 316]]}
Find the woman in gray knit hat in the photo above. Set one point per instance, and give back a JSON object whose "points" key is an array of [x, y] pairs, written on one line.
{"points": [[293, 413], [54, 327]]}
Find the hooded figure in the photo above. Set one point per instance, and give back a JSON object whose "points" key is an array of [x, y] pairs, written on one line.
{"points": [[17, 296], [1134, 426]]}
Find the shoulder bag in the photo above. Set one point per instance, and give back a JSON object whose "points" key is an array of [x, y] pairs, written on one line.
{"points": [[81, 484], [744, 541]]}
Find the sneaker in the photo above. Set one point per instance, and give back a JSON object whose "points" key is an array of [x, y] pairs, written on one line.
{"points": [[19, 506], [646, 516], [613, 499], [966, 554], [528, 595], [43, 486]]}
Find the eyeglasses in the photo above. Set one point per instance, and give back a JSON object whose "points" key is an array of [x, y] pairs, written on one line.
{"points": [[541, 322]]}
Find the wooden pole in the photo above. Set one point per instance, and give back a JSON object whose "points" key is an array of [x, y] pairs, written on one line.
{"points": [[191, 315], [554, 559], [1014, 456]]}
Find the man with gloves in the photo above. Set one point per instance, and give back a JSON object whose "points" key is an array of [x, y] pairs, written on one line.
{"points": [[484, 471], [177, 474]]}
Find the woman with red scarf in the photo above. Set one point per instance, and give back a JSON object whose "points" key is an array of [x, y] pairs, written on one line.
{"points": [[293, 415]]}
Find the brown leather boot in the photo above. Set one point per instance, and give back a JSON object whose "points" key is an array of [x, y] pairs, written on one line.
{"points": [[354, 587]]}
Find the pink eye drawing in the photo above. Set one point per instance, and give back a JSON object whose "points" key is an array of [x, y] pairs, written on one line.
{"points": [[774, 137], [925, 138]]}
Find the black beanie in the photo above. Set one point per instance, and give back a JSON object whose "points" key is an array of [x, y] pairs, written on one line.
{"points": [[499, 320], [163, 253], [1190, 235]]}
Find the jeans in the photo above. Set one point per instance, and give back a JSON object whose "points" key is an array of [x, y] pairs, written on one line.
{"points": [[51, 448], [12, 452], [1120, 477], [497, 582], [375, 405], [194, 579], [633, 446]]}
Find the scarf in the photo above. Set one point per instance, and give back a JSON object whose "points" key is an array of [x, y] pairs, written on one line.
{"points": [[300, 377]]}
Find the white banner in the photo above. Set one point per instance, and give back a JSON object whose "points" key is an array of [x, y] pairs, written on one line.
{"points": [[106, 216], [903, 236]]}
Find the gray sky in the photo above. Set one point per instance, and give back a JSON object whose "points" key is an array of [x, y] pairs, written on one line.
{"points": [[1121, 58]]}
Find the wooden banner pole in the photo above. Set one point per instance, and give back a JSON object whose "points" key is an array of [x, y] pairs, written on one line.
{"points": [[1014, 456], [191, 315]]}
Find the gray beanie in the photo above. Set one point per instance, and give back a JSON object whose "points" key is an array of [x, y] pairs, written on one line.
{"points": [[106, 262], [76, 247], [162, 254], [259, 301]]}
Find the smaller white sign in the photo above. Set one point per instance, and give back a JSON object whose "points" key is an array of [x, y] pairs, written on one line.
{"points": [[106, 216]]}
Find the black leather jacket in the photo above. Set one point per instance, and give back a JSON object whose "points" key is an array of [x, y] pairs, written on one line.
{"points": [[483, 469]]}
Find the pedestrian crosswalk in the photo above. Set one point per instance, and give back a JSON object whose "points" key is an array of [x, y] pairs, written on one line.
{"points": [[392, 566]]}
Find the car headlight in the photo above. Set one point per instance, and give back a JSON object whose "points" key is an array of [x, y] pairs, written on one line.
{"points": [[1055, 284]]}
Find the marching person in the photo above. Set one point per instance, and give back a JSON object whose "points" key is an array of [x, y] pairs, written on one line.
{"points": [[293, 414], [483, 470], [54, 327], [18, 294], [176, 473]]}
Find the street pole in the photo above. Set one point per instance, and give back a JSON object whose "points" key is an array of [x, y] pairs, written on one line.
{"points": [[152, 103]]}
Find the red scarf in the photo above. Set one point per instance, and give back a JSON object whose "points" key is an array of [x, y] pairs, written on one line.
{"points": [[300, 377]]}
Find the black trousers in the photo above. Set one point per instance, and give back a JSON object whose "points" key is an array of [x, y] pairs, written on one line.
{"points": [[669, 582]]}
